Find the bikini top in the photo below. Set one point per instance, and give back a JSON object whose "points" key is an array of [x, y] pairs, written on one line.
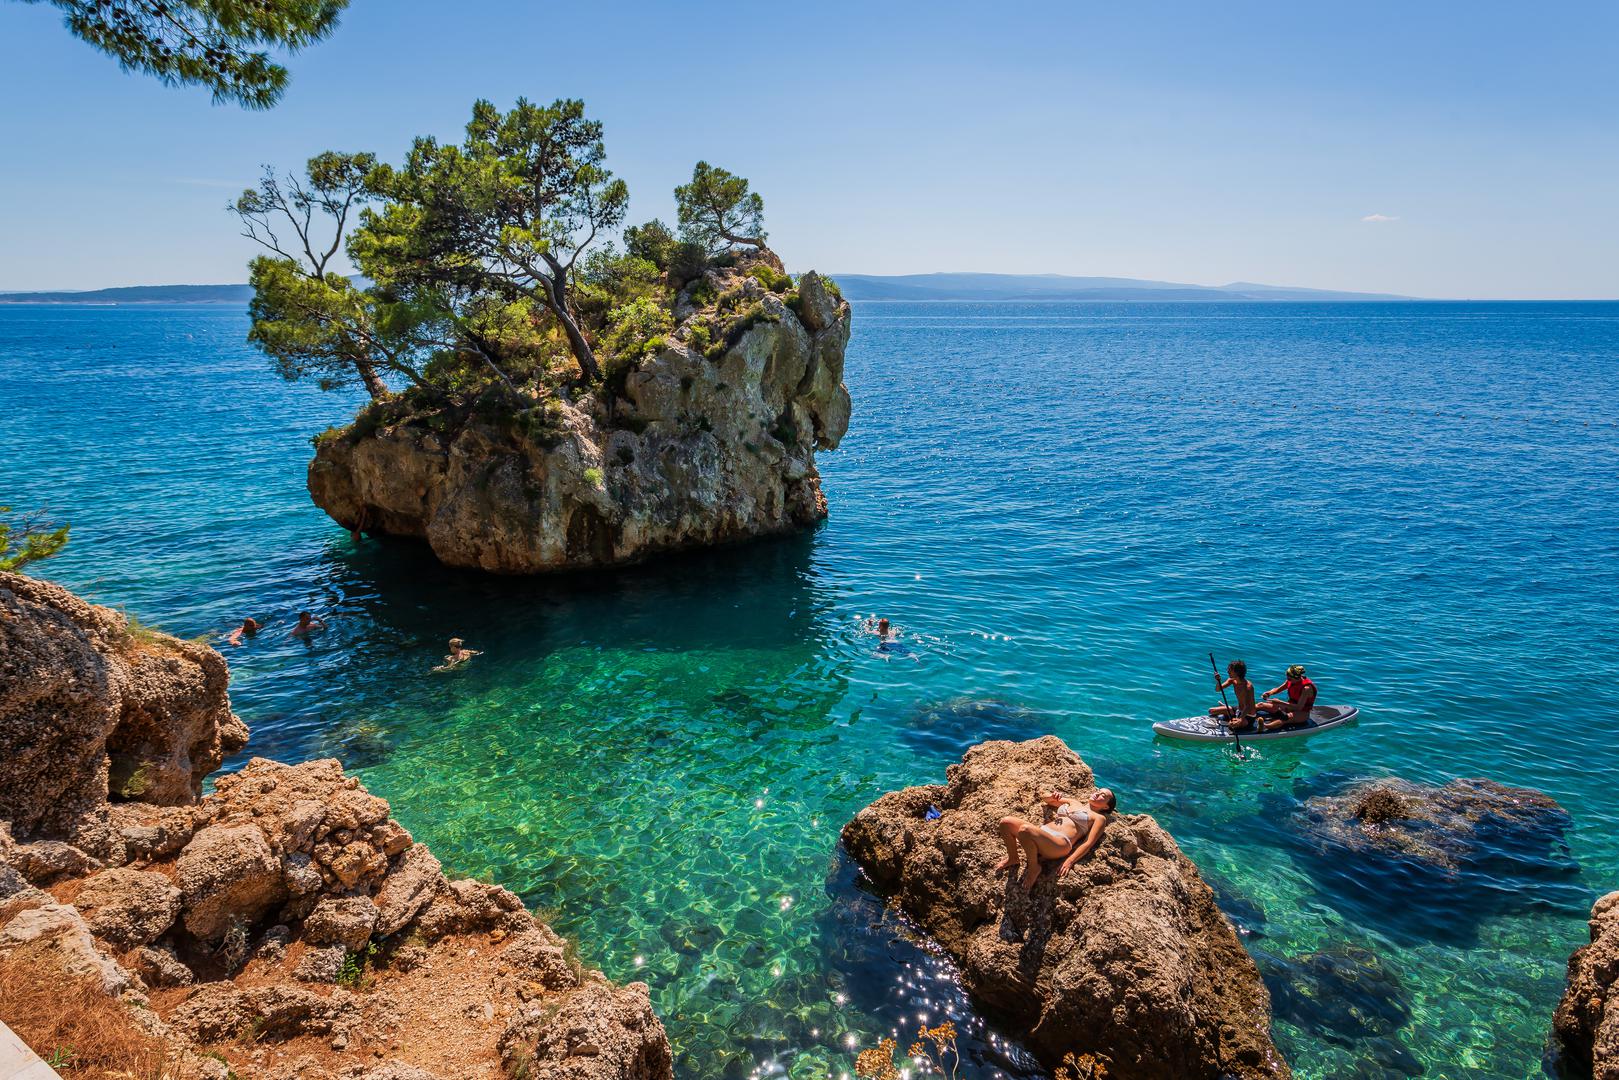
{"points": [[1076, 813]]}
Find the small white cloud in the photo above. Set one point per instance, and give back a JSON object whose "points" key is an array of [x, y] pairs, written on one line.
{"points": [[1378, 219]]}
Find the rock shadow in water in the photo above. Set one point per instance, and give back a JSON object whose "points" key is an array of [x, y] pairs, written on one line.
{"points": [[887, 969], [1348, 995], [1246, 914], [357, 743], [949, 728], [1430, 863]]}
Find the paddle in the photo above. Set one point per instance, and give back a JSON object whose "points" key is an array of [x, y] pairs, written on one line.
{"points": [[1225, 727]]}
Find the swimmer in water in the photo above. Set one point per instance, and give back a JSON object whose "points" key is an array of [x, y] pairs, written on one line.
{"points": [[307, 624], [459, 654], [249, 628]]}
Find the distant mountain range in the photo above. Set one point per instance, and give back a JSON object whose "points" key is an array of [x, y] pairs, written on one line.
{"points": [[1026, 287], [980, 287], [139, 294]]}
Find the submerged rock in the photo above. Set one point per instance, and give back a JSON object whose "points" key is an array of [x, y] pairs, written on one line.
{"points": [[951, 726], [1459, 852], [697, 449], [1587, 1019], [1127, 958], [1445, 827], [1348, 995]]}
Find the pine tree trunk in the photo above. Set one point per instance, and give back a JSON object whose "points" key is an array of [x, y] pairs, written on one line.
{"points": [[373, 382]]}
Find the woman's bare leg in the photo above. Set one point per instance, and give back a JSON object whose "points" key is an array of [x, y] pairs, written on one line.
{"points": [[1039, 844], [1031, 851], [1009, 831]]}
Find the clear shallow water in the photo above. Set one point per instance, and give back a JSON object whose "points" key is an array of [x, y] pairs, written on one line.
{"points": [[1065, 508]]}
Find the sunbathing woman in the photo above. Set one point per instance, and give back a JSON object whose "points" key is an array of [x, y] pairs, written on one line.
{"points": [[1071, 836]]}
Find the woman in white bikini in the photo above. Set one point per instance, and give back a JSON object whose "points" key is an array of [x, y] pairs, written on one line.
{"points": [[1070, 836]]}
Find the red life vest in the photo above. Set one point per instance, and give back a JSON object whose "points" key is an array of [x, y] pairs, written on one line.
{"points": [[1295, 688]]}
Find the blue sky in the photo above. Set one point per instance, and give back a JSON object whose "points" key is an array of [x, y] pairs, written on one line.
{"points": [[1180, 141]]}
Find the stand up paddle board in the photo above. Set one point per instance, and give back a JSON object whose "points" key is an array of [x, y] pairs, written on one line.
{"points": [[1208, 728]]}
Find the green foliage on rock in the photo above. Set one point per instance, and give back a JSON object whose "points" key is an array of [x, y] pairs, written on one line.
{"points": [[776, 281], [488, 280], [29, 540], [220, 44], [634, 330]]}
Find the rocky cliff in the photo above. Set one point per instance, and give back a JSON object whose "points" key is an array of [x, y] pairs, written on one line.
{"points": [[284, 926], [1126, 961], [1587, 1019], [95, 710], [710, 439]]}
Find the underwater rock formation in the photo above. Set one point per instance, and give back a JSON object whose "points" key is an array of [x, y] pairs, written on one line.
{"points": [[1126, 959], [1442, 826], [1462, 852], [701, 445], [951, 726], [1587, 1019], [286, 921], [1345, 994]]}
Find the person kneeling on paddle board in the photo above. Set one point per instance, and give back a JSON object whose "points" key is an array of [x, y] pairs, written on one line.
{"points": [[1246, 714], [1295, 712]]}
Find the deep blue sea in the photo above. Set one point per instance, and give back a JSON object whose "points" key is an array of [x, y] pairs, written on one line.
{"points": [[1065, 508]]}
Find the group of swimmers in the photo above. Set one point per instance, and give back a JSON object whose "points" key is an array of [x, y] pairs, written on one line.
{"points": [[1265, 714], [308, 624]]}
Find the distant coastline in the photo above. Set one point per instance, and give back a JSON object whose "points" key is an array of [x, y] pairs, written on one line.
{"points": [[900, 288], [138, 294]]}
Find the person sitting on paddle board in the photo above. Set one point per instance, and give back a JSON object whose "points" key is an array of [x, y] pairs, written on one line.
{"points": [[1300, 697], [1070, 836], [1245, 715]]}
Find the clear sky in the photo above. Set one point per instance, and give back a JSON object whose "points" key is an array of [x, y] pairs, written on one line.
{"points": [[1429, 148]]}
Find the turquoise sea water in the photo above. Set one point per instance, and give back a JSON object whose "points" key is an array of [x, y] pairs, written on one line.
{"points": [[1064, 507]]}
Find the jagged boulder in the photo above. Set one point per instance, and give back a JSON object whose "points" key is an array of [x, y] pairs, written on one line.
{"points": [[1587, 1019], [1127, 958], [88, 707], [128, 907], [228, 878], [703, 444], [603, 1032]]}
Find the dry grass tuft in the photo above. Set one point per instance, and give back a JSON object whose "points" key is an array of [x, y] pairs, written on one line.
{"points": [[76, 1027]]}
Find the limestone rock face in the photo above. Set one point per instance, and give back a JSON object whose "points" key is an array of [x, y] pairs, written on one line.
{"points": [[86, 706], [702, 447], [260, 896], [128, 907], [1587, 1019], [228, 876], [1126, 958]]}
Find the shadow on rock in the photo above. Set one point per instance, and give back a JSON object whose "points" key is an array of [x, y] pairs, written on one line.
{"points": [[1346, 995], [1454, 854], [948, 728]]}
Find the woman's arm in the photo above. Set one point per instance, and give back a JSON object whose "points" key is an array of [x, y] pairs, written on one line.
{"points": [[1273, 693], [1098, 823]]}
